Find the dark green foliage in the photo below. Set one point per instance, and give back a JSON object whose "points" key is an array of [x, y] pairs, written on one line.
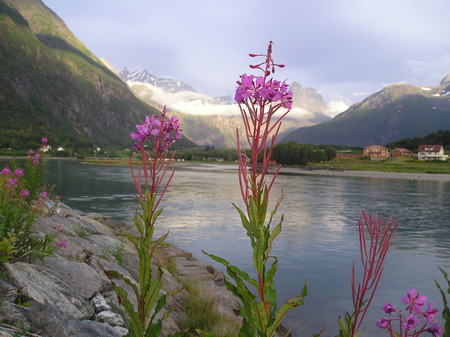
{"points": [[292, 153], [440, 137]]}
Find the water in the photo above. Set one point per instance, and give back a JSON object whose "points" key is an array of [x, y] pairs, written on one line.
{"points": [[319, 241]]}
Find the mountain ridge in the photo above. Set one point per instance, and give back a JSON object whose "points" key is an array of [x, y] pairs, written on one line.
{"points": [[52, 85], [395, 112]]}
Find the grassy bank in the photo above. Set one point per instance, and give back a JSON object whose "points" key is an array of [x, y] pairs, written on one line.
{"points": [[402, 165]]}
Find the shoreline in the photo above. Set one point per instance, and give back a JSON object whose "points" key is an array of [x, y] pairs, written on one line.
{"points": [[369, 174], [325, 172]]}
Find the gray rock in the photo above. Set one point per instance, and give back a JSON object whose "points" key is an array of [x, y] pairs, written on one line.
{"points": [[50, 321], [38, 285], [83, 279], [110, 317], [100, 303]]}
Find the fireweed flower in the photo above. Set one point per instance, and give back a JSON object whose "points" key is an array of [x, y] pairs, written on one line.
{"points": [[417, 322], [24, 193], [388, 308], [411, 322], [414, 301], [431, 313], [384, 323], [62, 244], [259, 99], [11, 183], [6, 171], [435, 330], [18, 172]]}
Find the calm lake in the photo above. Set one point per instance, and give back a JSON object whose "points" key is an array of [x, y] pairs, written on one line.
{"points": [[319, 240]]}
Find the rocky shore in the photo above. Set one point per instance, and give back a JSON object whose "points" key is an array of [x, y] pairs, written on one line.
{"points": [[69, 295]]}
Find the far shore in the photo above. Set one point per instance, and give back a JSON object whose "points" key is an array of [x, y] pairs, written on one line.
{"points": [[285, 170], [369, 174], [325, 172]]}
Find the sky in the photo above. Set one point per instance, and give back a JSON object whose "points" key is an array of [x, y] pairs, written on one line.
{"points": [[345, 49]]}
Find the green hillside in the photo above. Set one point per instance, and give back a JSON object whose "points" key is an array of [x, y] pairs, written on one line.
{"points": [[52, 85]]}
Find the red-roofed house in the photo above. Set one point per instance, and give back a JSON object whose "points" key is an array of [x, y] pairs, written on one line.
{"points": [[376, 152], [431, 152], [401, 152]]}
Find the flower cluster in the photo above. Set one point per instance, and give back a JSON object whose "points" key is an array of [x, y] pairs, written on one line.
{"points": [[34, 157], [260, 88], [159, 130], [419, 319]]}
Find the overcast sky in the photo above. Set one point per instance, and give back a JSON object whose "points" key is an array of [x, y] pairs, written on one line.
{"points": [[345, 49]]}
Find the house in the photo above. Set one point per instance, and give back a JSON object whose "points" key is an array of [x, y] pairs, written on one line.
{"points": [[431, 152], [376, 152], [401, 152]]}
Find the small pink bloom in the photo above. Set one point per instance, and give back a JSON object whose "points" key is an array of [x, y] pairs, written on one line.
{"points": [[30, 153], [435, 330], [414, 301], [11, 183], [44, 140], [6, 170], [43, 195], [62, 244], [24, 193], [411, 322], [384, 323], [389, 308], [18, 172], [58, 228]]}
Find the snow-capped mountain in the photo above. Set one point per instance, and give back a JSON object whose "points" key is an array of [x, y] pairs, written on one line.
{"points": [[213, 121], [143, 76]]}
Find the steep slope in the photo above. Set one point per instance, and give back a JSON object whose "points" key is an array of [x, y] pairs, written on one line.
{"points": [[52, 85], [396, 112]]}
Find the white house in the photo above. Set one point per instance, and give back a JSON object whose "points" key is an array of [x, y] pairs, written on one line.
{"points": [[431, 152]]}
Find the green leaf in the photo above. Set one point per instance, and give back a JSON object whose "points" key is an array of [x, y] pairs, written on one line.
{"points": [[235, 269], [290, 304], [136, 327], [115, 275]]}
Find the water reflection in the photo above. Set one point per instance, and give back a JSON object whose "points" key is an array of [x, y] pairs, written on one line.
{"points": [[319, 241]]}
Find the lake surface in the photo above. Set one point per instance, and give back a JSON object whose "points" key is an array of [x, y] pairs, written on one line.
{"points": [[319, 240]]}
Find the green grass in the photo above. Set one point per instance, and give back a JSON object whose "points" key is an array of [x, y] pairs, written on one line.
{"points": [[404, 165]]}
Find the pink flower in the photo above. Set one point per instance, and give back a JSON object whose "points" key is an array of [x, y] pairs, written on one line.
{"points": [[18, 172], [384, 323], [436, 330], [388, 308], [30, 153], [157, 129], [414, 301], [62, 244], [58, 228], [431, 313], [11, 183], [6, 170], [24, 193], [43, 195], [411, 322], [44, 140]]}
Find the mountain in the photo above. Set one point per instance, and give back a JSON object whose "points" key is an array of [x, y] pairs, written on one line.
{"points": [[143, 76], [398, 111], [52, 85], [212, 121]]}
